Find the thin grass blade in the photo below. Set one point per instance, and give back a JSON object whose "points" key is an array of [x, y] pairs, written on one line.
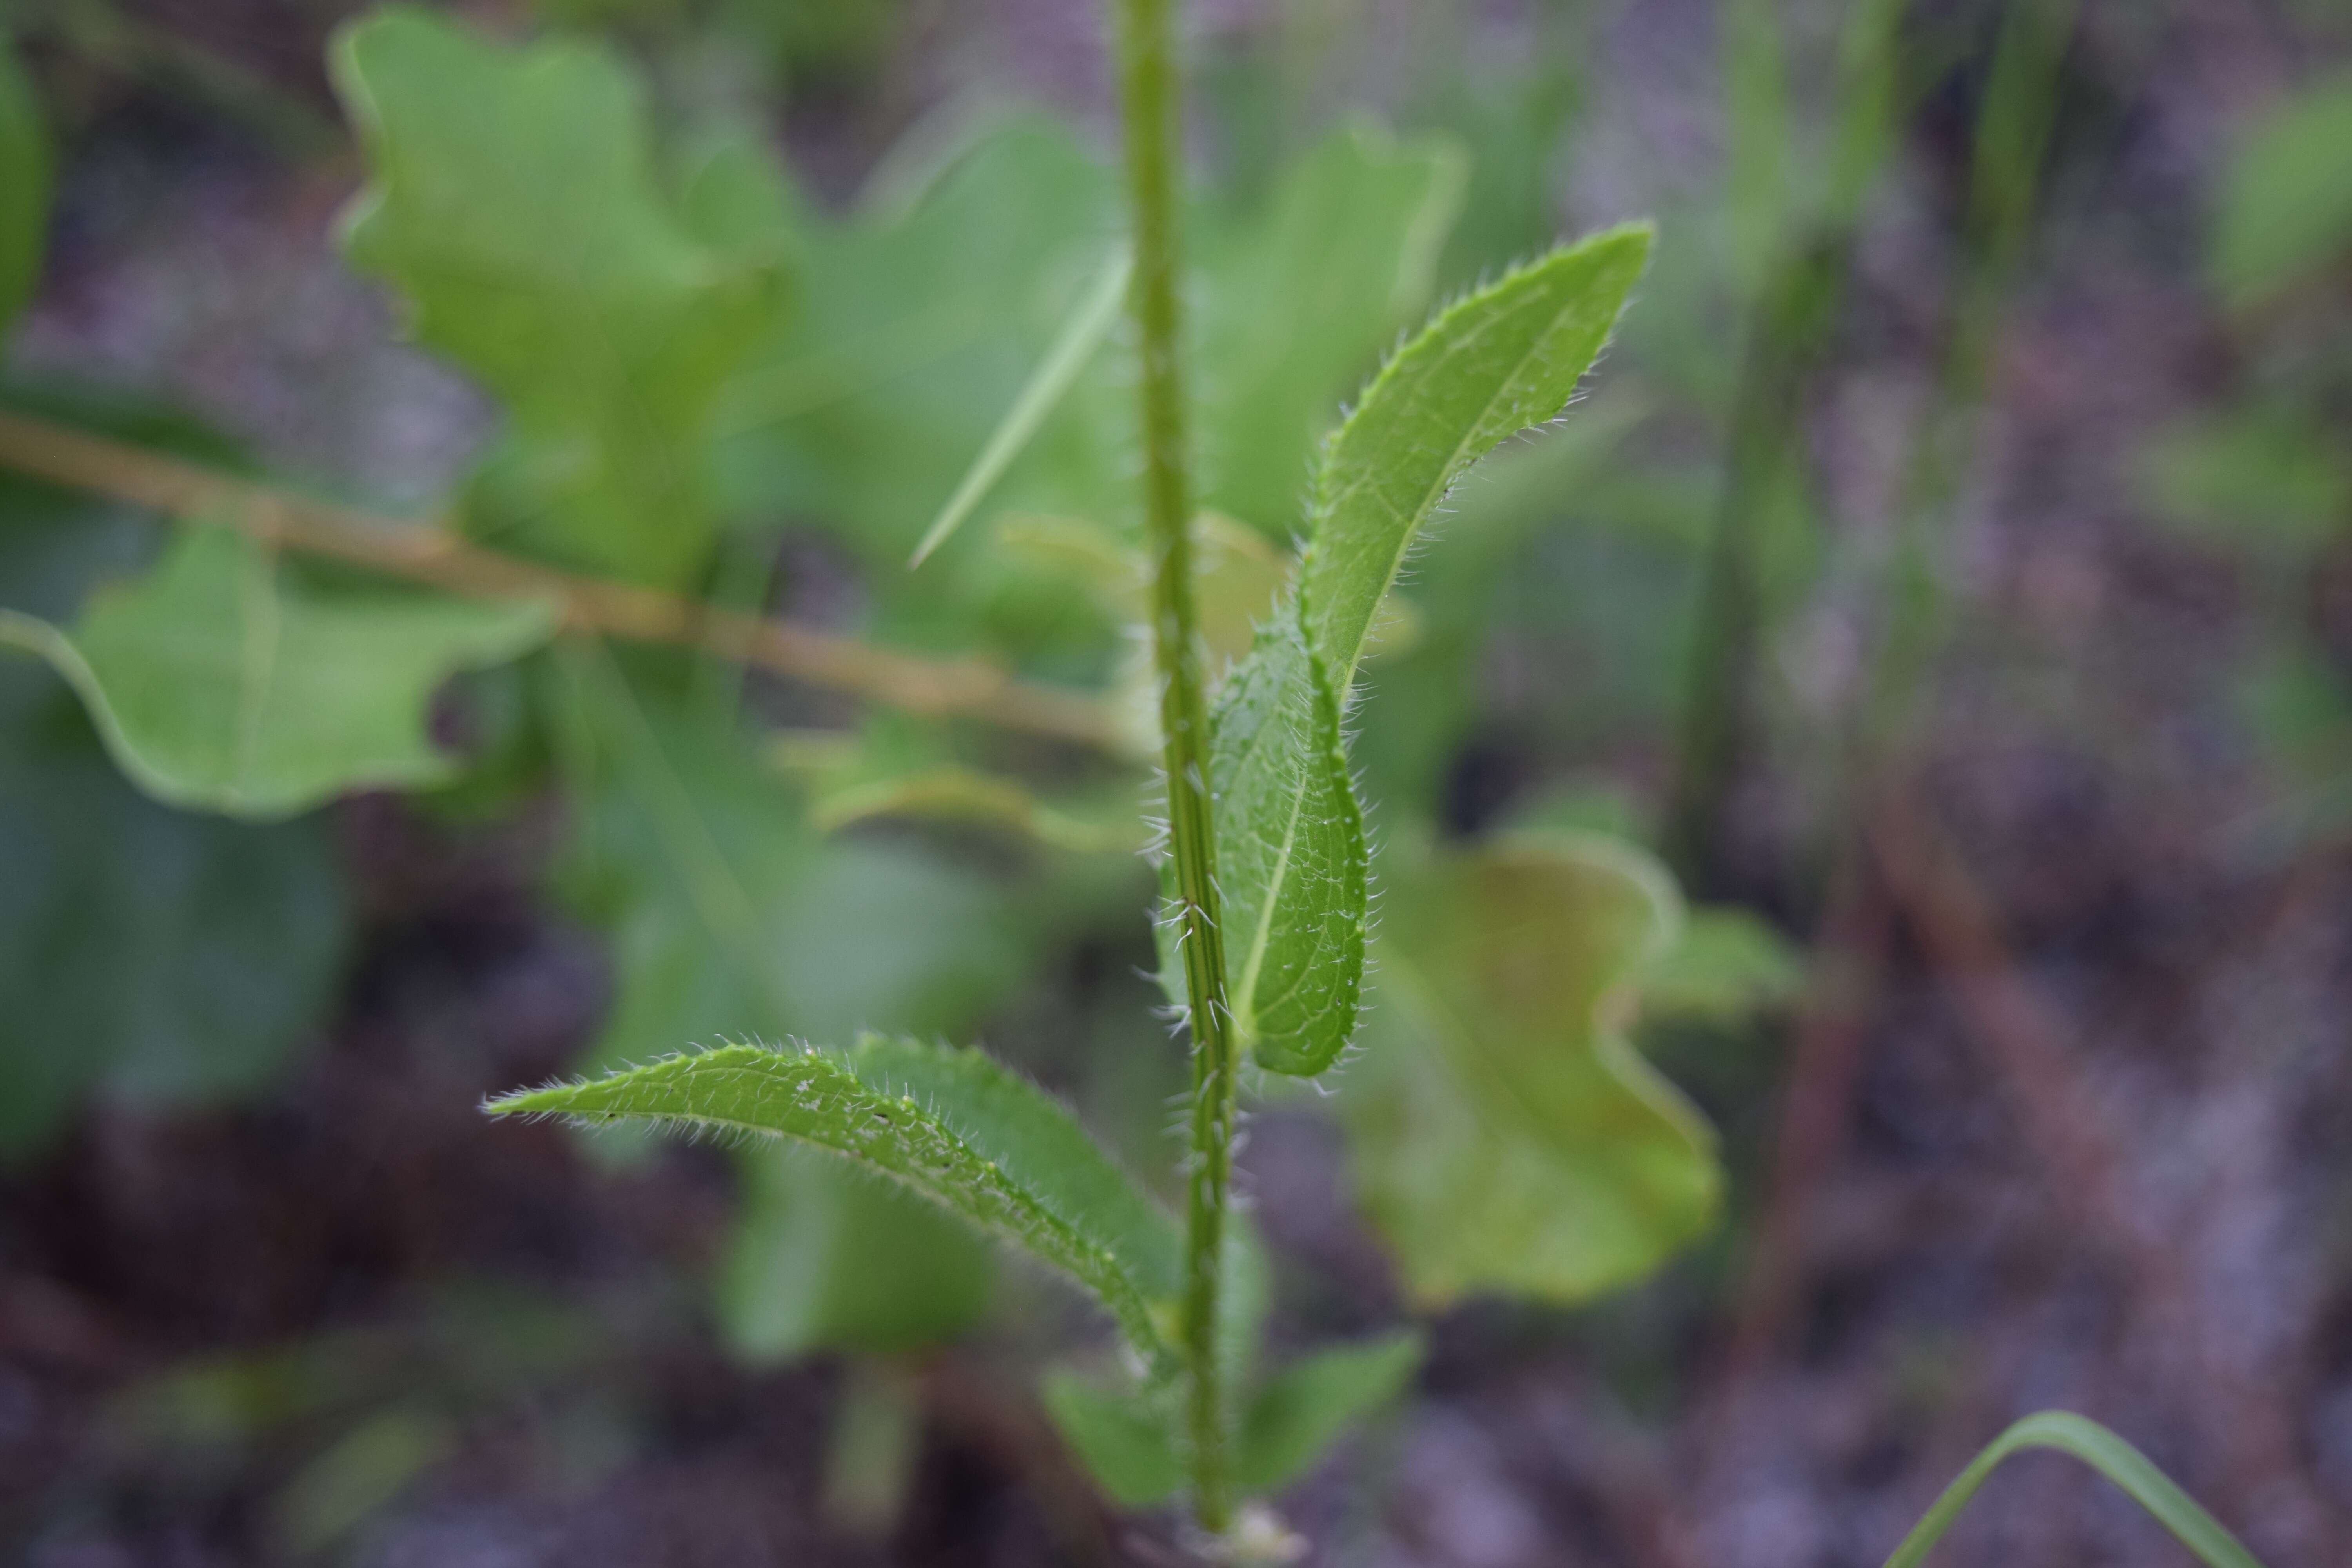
{"points": [[2104, 1452], [1054, 377]]}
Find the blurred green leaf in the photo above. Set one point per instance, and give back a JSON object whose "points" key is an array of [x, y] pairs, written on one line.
{"points": [[221, 684], [1311, 1403], [1090, 321], [1125, 1442], [730, 914], [1301, 297], [1724, 965], [981, 1141], [24, 187], [514, 202], [2286, 203], [355, 1477], [1504, 1134], [825, 1257], [163, 958], [2256, 478]]}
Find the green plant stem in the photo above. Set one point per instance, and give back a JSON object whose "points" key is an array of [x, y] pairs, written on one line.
{"points": [[1148, 103]]}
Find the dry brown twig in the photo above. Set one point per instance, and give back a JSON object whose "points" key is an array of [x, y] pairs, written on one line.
{"points": [[427, 553]]}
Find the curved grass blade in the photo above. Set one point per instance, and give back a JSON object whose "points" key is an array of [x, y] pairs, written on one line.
{"points": [[953, 1125], [1054, 377], [1292, 857], [2104, 1452]]}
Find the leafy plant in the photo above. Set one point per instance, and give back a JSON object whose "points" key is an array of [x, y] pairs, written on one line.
{"points": [[682, 347]]}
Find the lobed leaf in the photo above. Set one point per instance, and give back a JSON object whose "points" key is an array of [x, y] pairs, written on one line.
{"points": [[1504, 1134], [1292, 862], [221, 685], [512, 200], [2104, 1452], [951, 1125]]}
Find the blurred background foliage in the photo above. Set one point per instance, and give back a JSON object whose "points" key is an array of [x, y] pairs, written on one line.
{"points": [[1943, 579]]}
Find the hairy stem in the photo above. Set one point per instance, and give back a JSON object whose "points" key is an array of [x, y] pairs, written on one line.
{"points": [[1148, 103], [420, 552]]}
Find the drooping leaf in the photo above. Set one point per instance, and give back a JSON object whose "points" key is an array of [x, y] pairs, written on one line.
{"points": [[147, 955], [24, 186], [825, 1257], [951, 1125], [1125, 1442], [1504, 1134], [2097, 1447], [1310, 1404], [513, 203], [1292, 864], [2286, 207], [220, 684]]}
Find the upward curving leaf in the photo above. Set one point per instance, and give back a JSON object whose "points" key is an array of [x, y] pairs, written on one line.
{"points": [[1493, 363], [1292, 862], [953, 1125]]}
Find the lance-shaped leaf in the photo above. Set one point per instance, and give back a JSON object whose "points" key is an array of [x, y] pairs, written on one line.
{"points": [[1493, 363], [954, 1126], [1504, 1134], [1291, 857], [1292, 863], [514, 202], [221, 684]]}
